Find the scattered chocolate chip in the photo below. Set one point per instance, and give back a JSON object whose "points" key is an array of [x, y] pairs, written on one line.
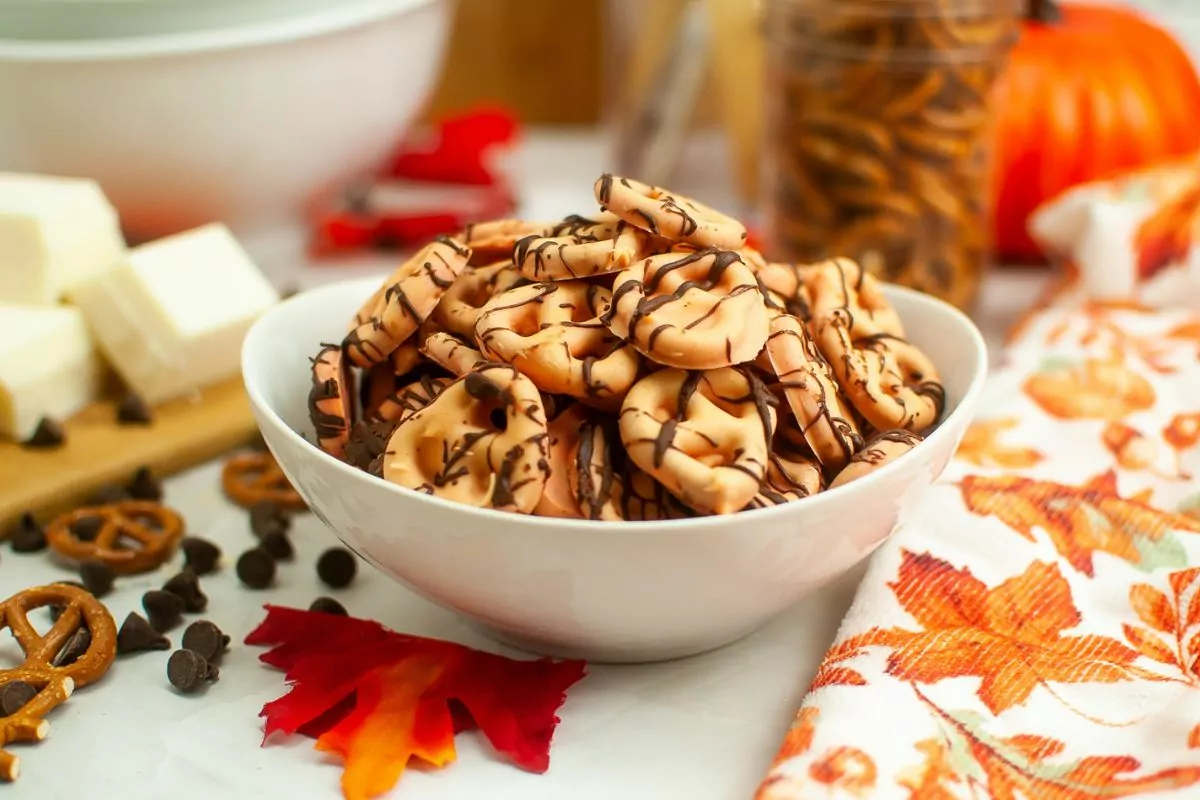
{"points": [[187, 671], [200, 555], [87, 528], [336, 567], [48, 434], [205, 638], [14, 695], [163, 609], [327, 605], [145, 486], [97, 577], [267, 518], [28, 536], [256, 568], [186, 586], [74, 649], [132, 410], [278, 545], [137, 636], [109, 493]]}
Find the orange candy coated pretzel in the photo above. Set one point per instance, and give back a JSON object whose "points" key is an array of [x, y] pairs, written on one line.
{"points": [[155, 527], [253, 478], [53, 684]]}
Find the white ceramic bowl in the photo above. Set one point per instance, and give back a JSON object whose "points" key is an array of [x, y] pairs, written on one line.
{"points": [[616, 592], [242, 122]]}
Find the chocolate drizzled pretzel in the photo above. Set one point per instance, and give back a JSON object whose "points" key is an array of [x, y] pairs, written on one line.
{"points": [[883, 448], [703, 435], [494, 240], [691, 310], [840, 283], [152, 527], [579, 247], [670, 216], [410, 398], [552, 333], [460, 306], [409, 295], [451, 353], [481, 442], [791, 475], [331, 399], [53, 682], [891, 383]]}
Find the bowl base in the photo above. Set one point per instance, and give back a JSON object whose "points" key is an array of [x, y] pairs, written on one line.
{"points": [[601, 654]]}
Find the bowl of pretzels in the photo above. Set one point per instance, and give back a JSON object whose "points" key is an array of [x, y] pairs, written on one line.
{"points": [[624, 436]]}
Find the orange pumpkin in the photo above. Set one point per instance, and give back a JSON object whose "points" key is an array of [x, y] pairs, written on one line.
{"points": [[1090, 91]]}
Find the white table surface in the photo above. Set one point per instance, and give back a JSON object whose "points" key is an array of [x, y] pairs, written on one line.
{"points": [[703, 729]]}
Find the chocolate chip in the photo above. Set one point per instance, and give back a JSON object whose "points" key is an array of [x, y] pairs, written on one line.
{"points": [[188, 671], [132, 410], [54, 608], [163, 609], [278, 545], [256, 568], [137, 636], [186, 586], [28, 536], [327, 605], [97, 577], [48, 434], [14, 695], [74, 649], [200, 555], [145, 486], [88, 528], [205, 638], [108, 494], [336, 567], [267, 518]]}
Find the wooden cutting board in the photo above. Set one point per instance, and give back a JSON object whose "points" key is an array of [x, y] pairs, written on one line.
{"points": [[98, 451]]}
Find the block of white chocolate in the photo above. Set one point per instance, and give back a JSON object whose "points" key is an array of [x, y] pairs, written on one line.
{"points": [[48, 367], [170, 317], [54, 234]]}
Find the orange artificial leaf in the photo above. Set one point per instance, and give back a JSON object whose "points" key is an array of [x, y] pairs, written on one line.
{"points": [[929, 780], [1183, 431], [1153, 608], [1194, 738], [1092, 389], [799, 737], [1011, 774], [1083, 520], [845, 768], [982, 447], [1149, 645], [380, 699], [1011, 637], [1165, 237]]}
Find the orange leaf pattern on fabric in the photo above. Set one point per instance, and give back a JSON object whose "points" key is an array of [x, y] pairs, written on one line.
{"points": [[800, 735], [1194, 738], [1082, 520], [1153, 608], [845, 768], [982, 447], [1092, 389], [934, 778], [1011, 637]]}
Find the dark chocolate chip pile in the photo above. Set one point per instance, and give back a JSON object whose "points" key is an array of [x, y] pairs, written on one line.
{"points": [[48, 435], [97, 577], [186, 586], [336, 567], [28, 536], [132, 410], [187, 671], [327, 605], [163, 609], [267, 518], [278, 545], [87, 528], [138, 636], [205, 638], [145, 486], [256, 568], [200, 555]]}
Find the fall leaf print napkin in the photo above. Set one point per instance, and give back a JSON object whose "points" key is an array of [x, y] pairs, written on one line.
{"points": [[1032, 629]]}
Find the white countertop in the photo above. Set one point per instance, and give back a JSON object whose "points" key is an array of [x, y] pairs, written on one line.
{"points": [[703, 729]]}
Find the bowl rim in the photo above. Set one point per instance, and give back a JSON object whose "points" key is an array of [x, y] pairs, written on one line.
{"points": [[314, 22], [864, 485]]}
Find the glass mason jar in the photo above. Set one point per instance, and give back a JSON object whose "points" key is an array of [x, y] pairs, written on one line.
{"points": [[877, 137]]}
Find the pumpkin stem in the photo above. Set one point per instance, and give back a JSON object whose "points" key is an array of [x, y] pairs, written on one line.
{"points": [[1044, 11]]}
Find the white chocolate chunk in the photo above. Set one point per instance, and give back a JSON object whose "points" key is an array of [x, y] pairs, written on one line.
{"points": [[54, 234], [48, 367], [172, 315]]}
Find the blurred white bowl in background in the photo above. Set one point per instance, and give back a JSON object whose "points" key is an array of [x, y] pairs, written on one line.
{"points": [[239, 112]]}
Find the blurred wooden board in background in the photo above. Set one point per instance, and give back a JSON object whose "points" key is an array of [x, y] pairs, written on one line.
{"points": [[98, 451]]}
